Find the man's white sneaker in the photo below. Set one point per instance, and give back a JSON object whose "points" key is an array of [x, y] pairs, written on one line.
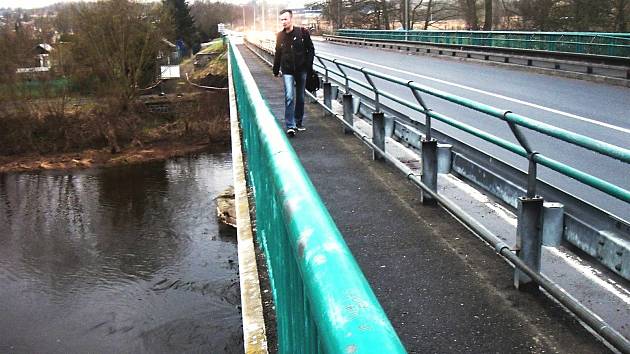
{"points": [[301, 128], [291, 132]]}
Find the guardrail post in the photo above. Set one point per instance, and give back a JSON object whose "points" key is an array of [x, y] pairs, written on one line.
{"points": [[378, 133], [528, 239], [348, 114], [553, 224], [429, 169], [429, 153], [529, 218], [327, 94]]}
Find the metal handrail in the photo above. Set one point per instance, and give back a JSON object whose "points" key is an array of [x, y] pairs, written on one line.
{"points": [[590, 43], [597, 324], [594, 145], [561, 134], [318, 308]]}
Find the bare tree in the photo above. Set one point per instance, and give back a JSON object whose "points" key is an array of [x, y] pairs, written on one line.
{"points": [[208, 15], [487, 24], [622, 7], [468, 10], [115, 47], [118, 42], [430, 12], [537, 14]]}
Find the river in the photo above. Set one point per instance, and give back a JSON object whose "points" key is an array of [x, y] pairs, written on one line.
{"points": [[124, 259]]}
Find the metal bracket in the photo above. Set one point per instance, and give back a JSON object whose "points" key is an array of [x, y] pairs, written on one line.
{"points": [[377, 105], [531, 156], [325, 68], [345, 76], [427, 111], [531, 175]]}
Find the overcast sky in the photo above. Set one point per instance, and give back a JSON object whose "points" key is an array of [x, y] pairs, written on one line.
{"points": [[30, 4]]}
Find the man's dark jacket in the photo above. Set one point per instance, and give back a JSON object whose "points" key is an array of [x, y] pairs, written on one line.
{"points": [[294, 52]]}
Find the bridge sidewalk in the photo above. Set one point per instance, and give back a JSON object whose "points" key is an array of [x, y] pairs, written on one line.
{"points": [[443, 290]]}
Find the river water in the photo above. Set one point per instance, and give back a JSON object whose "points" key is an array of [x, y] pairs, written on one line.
{"points": [[126, 259]]}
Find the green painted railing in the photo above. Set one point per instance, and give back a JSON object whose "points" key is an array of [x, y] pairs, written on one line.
{"points": [[588, 43], [323, 302], [603, 148], [341, 70]]}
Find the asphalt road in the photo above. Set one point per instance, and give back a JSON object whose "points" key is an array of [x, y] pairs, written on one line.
{"points": [[596, 110]]}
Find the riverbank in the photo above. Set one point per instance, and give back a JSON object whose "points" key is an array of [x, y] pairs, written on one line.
{"points": [[161, 137], [86, 134], [103, 158]]}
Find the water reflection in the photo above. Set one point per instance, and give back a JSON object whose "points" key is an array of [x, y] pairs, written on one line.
{"points": [[120, 259]]}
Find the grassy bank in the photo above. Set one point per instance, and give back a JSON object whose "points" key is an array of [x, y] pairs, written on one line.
{"points": [[51, 132]]}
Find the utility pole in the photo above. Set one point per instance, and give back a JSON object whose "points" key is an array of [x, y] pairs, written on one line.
{"points": [[339, 14], [254, 15], [264, 26], [243, 7], [406, 25]]}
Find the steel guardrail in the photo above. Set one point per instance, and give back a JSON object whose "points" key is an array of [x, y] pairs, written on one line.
{"points": [[319, 309], [613, 45], [578, 66], [593, 321], [509, 117]]}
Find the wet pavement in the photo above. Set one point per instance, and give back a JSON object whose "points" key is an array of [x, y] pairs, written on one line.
{"points": [[125, 259]]}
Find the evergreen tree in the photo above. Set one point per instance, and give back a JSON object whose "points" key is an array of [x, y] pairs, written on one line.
{"points": [[183, 22]]}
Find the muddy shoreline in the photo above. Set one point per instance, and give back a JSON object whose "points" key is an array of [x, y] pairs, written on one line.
{"points": [[92, 158]]}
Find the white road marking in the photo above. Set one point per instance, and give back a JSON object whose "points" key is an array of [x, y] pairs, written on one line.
{"points": [[525, 103]]}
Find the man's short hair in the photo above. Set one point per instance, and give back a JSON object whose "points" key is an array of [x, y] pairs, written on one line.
{"points": [[286, 10]]}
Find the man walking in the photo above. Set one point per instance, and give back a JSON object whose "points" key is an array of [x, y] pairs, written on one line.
{"points": [[294, 57]]}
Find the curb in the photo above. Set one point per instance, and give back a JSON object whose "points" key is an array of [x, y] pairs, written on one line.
{"points": [[254, 336]]}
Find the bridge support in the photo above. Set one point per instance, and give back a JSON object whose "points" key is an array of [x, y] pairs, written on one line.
{"points": [[378, 133], [528, 239], [429, 169], [328, 94], [348, 113]]}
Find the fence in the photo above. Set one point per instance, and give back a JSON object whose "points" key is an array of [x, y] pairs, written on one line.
{"points": [[586, 43], [323, 302], [530, 207]]}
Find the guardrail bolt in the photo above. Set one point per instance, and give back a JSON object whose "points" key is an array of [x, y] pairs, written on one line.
{"points": [[327, 94], [378, 133], [348, 115], [528, 239], [429, 169], [553, 224]]}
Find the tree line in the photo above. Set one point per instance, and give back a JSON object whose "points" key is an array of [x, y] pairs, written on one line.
{"points": [[531, 15], [105, 53]]}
